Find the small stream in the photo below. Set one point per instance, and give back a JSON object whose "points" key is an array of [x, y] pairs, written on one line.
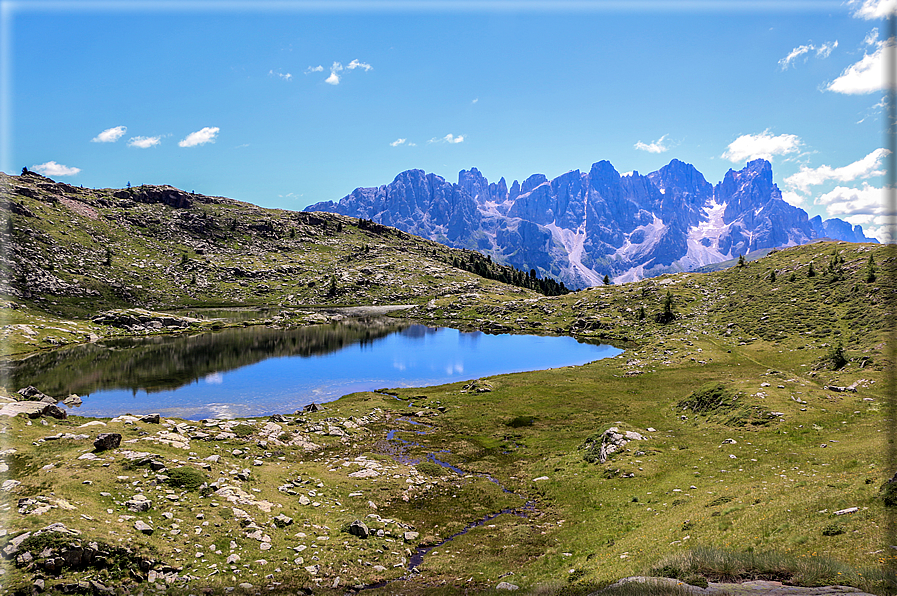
{"points": [[417, 558]]}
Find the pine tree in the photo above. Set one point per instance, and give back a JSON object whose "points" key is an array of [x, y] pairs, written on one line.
{"points": [[606, 280], [870, 270], [810, 271], [772, 276], [741, 260]]}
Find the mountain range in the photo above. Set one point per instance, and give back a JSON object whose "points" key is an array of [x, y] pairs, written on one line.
{"points": [[582, 226]]}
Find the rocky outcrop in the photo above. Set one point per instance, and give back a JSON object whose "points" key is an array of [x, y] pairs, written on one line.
{"points": [[581, 226], [601, 446]]}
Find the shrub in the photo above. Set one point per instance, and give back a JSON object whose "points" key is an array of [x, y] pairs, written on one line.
{"points": [[719, 501], [430, 468], [832, 530], [889, 493], [243, 430], [836, 357], [520, 421], [186, 477], [708, 399]]}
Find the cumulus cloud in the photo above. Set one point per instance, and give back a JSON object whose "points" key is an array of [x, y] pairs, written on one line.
{"points": [[763, 145], [822, 51], [333, 79], [144, 142], [874, 9], [200, 137], [867, 201], [654, 147], [51, 168], [356, 64], [397, 142], [285, 77], [110, 135], [317, 68], [862, 168], [449, 138], [865, 76]]}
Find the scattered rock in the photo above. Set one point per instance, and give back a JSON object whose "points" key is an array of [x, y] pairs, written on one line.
{"points": [[138, 503], [358, 528], [506, 586], [107, 441], [281, 521], [143, 527], [477, 386], [612, 440], [72, 400], [150, 418]]}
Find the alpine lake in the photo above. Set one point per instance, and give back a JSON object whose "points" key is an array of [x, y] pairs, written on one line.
{"points": [[260, 371]]}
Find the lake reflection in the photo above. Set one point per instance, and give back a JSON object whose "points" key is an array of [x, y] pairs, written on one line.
{"points": [[258, 371]]}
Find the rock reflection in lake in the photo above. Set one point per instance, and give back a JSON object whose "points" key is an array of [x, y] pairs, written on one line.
{"points": [[256, 371]]}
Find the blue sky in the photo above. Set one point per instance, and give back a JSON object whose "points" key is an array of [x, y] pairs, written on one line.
{"points": [[288, 103]]}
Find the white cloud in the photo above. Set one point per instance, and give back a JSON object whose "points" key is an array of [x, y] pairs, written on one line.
{"points": [[317, 68], [51, 168], [654, 147], [864, 206], [476, 99], [795, 53], [871, 37], [356, 64], [449, 138], [865, 76], [822, 51], [862, 168], [285, 77], [200, 137], [792, 198], [874, 9], [763, 145], [333, 79], [397, 142], [144, 142], [868, 200], [825, 50], [110, 135]]}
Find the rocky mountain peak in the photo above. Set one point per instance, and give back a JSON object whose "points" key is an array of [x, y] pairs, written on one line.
{"points": [[579, 226]]}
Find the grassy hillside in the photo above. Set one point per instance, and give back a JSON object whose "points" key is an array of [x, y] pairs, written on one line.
{"points": [[746, 455]]}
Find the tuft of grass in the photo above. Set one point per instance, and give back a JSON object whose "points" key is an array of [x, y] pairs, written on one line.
{"points": [[520, 421], [188, 478], [243, 430], [721, 565]]}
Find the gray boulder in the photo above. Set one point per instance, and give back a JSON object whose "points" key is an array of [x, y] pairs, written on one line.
{"points": [[107, 441], [56, 412], [358, 528]]}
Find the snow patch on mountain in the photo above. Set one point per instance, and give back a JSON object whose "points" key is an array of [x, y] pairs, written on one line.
{"points": [[703, 239]]}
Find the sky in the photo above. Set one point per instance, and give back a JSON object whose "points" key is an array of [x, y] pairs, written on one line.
{"points": [[284, 104]]}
